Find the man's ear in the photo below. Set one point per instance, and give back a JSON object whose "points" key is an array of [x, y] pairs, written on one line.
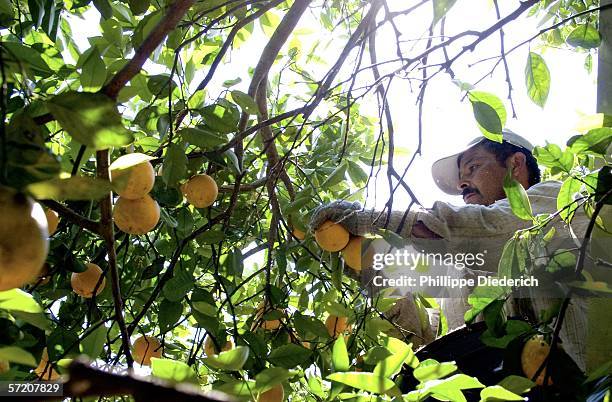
{"points": [[517, 162]]}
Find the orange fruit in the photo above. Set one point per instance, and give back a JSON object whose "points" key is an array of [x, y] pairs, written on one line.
{"points": [[336, 325], [84, 283], [135, 173], [274, 394], [533, 355], [299, 234], [210, 349], [259, 320], [200, 190], [331, 236], [24, 242], [52, 220], [44, 370], [137, 216], [144, 348], [352, 253], [4, 366]]}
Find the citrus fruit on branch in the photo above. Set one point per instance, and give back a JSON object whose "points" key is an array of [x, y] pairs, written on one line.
{"points": [[331, 236], [134, 174], [144, 348], [533, 355], [200, 190], [24, 242], [84, 283], [137, 216], [210, 348]]}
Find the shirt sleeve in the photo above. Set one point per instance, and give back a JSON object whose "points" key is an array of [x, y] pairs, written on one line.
{"points": [[476, 221]]}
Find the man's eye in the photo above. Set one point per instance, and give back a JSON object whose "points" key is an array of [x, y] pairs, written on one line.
{"points": [[473, 167]]}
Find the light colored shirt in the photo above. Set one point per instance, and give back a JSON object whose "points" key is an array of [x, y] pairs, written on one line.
{"points": [[477, 227]]}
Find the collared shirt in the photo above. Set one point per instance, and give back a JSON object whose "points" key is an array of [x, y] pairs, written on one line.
{"points": [[478, 227]]}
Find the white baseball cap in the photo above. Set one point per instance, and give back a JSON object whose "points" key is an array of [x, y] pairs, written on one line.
{"points": [[445, 171]]}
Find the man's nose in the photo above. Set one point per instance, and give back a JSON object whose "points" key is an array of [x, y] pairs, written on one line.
{"points": [[463, 183]]}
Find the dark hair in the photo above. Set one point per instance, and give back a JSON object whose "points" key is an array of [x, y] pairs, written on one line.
{"points": [[504, 150]]}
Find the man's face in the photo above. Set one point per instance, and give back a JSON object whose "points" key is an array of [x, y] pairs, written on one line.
{"points": [[481, 177]]}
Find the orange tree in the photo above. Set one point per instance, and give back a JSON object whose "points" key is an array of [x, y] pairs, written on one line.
{"points": [[183, 148]]}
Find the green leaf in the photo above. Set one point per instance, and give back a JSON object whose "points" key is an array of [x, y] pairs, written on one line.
{"points": [[221, 117], [269, 377], [376, 354], [93, 73], [175, 165], [496, 393], [18, 300], [566, 203], [289, 356], [367, 382], [202, 138], [19, 57], [440, 8], [15, 354], [237, 388], [340, 359], [161, 85], [480, 298], [39, 320], [45, 15], [400, 353], [93, 344], [139, 6], [309, 328], [104, 8], [73, 188], [584, 36], [6, 8], [513, 329], [90, 118], [490, 114], [552, 156], [537, 79], [232, 360], [336, 177], [517, 384], [173, 370], [430, 369], [356, 173], [596, 141], [517, 197], [245, 101], [169, 314], [508, 264]]}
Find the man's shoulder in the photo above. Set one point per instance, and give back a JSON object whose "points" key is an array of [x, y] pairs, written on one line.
{"points": [[548, 188]]}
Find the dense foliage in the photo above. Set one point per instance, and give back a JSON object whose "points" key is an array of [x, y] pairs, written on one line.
{"points": [[273, 109]]}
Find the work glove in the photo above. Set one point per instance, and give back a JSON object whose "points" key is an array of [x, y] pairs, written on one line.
{"points": [[348, 214]]}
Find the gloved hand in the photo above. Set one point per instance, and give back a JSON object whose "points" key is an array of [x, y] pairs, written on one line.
{"points": [[349, 214]]}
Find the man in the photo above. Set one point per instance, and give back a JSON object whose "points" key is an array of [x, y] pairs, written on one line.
{"points": [[477, 173]]}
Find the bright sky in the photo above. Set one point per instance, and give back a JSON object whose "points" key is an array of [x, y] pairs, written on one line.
{"points": [[448, 121]]}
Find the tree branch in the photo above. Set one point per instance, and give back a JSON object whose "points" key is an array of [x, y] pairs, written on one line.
{"points": [[87, 381], [73, 217], [107, 232], [173, 15]]}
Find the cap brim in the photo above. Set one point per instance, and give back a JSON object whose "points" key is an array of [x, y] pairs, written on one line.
{"points": [[445, 171], [446, 174]]}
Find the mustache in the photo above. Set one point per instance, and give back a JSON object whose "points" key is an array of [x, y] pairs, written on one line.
{"points": [[469, 190]]}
